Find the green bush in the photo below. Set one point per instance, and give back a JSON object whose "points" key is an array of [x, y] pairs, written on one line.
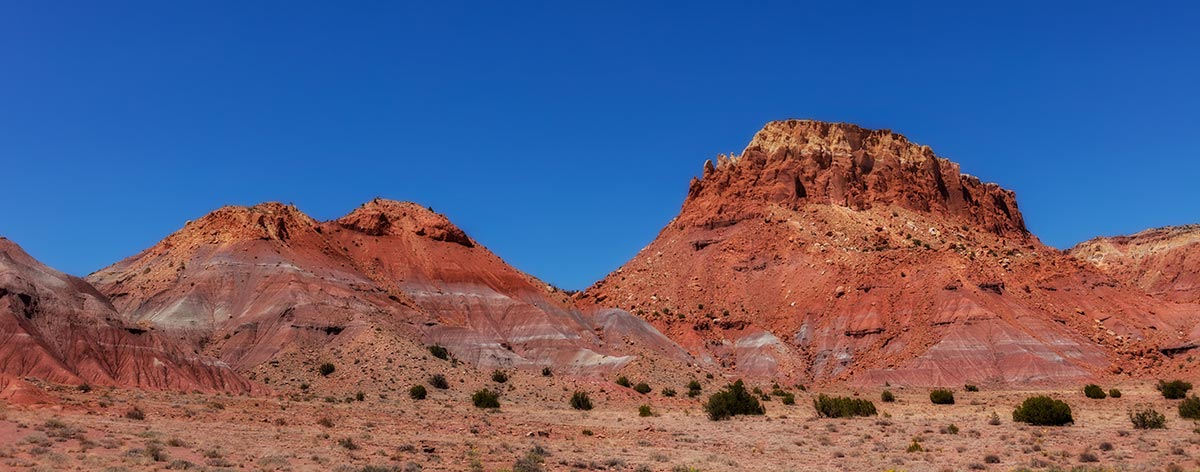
{"points": [[842, 407], [439, 352], [1093, 391], [641, 388], [668, 392], [645, 411], [1114, 393], [731, 401], [941, 397], [1147, 418], [887, 396], [624, 381], [694, 389], [1190, 408], [546, 372], [486, 399], [971, 388], [1043, 411], [417, 392], [326, 369], [499, 376], [439, 382], [1174, 390], [788, 398], [580, 401]]}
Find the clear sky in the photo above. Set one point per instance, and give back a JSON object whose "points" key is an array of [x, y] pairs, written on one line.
{"points": [[562, 135]]}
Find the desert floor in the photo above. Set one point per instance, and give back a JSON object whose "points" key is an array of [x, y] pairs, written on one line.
{"points": [[535, 427]]}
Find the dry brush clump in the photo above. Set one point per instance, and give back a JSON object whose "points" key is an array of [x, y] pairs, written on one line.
{"points": [[731, 401], [1042, 410], [843, 407]]}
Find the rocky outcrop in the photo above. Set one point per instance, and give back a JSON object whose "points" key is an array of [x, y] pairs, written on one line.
{"points": [[59, 329], [1164, 262], [828, 252], [795, 163]]}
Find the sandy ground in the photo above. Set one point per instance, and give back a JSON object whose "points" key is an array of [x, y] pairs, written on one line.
{"points": [[90, 431]]}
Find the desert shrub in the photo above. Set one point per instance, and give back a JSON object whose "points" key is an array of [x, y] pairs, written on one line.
{"points": [[668, 392], [348, 443], [887, 396], [641, 388], [693, 389], [326, 369], [1088, 456], [1106, 446], [1190, 408], [842, 407], [971, 388], [941, 397], [85, 387], [994, 419], [731, 401], [950, 429], [531, 461], [417, 392], [915, 446], [644, 411], [1043, 411], [991, 459], [788, 399], [439, 382], [439, 352], [135, 413], [546, 372], [624, 381], [580, 401], [325, 421], [1093, 391], [499, 376], [485, 398], [1174, 390], [360, 396], [1114, 393]]}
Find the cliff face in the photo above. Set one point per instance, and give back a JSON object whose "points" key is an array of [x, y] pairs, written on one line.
{"points": [[274, 293], [831, 252], [797, 162], [1164, 262], [58, 328]]}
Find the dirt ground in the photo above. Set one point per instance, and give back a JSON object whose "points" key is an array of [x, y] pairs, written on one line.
{"points": [[536, 429]]}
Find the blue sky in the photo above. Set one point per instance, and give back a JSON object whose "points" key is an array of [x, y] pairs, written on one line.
{"points": [[562, 135]]}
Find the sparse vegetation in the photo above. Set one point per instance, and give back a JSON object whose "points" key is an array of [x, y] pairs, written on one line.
{"points": [[417, 392], [546, 372], [499, 376], [941, 397], [439, 352], [788, 398], [887, 396], [624, 381], [731, 401], [1042, 410], [915, 446], [971, 387], [1093, 391], [136, 413], [439, 382], [348, 443], [1114, 393], [668, 392], [694, 389], [642, 388], [950, 429], [645, 411], [581, 401], [485, 398], [843, 407], [1173, 390], [1190, 408], [326, 369], [325, 421], [994, 419]]}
